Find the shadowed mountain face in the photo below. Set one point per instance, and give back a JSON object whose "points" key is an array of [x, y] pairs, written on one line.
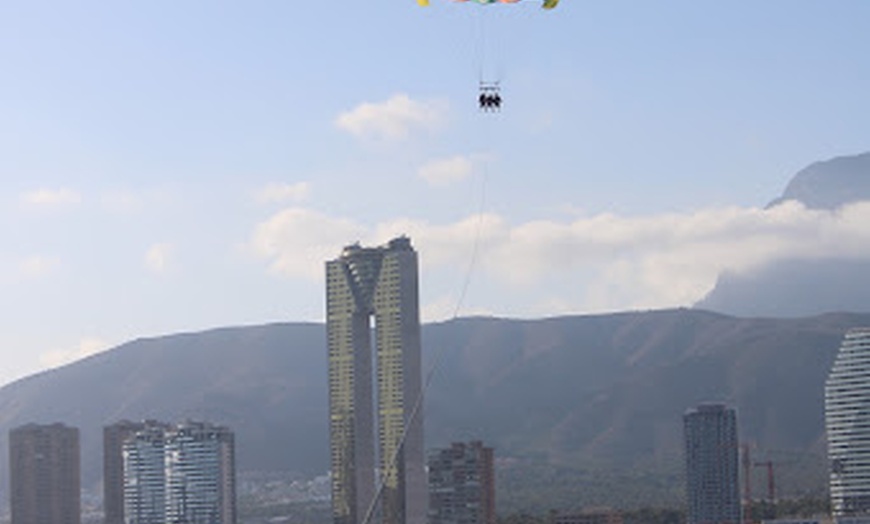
{"points": [[830, 184], [556, 397], [792, 288], [266, 382]]}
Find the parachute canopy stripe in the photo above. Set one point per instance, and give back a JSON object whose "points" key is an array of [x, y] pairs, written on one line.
{"points": [[548, 4]]}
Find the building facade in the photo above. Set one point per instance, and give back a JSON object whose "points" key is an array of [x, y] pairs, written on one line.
{"points": [[462, 484], [143, 476], [712, 465], [847, 422], [178, 473], [200, 474], [45, 474], [376, 285], [114, 436], [590, 516]]}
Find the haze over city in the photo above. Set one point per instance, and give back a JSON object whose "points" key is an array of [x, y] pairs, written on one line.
{"points": [[176, 167]]}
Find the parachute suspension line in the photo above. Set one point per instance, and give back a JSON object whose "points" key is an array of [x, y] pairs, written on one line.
{"points": [[439, 355], [480, 42], [499, 45], [489, 97], [475, 247]]}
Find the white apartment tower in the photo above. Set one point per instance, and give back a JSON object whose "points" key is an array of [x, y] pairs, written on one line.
{"points": [[180, 474], [199, 474], [144, 476], [847, 421], [373, 323]]}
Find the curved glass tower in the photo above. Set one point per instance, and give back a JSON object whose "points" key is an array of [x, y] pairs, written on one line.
{"points": [[847, 421]]}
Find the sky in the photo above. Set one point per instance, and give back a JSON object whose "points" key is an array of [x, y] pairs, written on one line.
{"points": [[177, 166]]}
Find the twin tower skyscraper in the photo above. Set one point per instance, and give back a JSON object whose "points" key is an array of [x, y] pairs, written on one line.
{"points": [[375, 420]]}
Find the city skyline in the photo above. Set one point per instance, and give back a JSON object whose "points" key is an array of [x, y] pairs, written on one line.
{"points": [[793, 349], [515, 357], [160, 158]]}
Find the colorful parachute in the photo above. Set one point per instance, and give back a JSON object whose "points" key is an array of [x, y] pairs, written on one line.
{"points": [[548, 4]]}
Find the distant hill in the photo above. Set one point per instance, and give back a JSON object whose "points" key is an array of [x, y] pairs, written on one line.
{"points": [[831, 183], [581, 410], [793, 288]]}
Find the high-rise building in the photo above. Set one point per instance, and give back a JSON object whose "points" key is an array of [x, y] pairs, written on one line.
{"points": [[378, 283], [462, 484], [143, 476], [588, 516], [200, 474], [178, 473], [44, 469], [847, 421], [114, 436], [712, 465]]}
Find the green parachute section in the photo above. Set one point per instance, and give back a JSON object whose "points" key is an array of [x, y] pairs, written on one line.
{"points": [[548, 4]]}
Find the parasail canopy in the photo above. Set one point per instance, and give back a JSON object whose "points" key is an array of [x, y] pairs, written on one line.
{"points": [[548, 4]]}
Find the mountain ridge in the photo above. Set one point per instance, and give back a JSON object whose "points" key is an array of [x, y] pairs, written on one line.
{"points": [[582, 393], [797, 287]]}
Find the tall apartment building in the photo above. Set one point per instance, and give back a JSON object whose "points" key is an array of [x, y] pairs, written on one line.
{"points": [[114, 436], [143, 475], [712, 465], [589, 516], [847, 421], [45, 477], [378, 283], [462, 484], [200, 474], [175, 473]]}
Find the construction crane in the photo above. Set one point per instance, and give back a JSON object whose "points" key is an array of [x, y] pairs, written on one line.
{"points": [[771, 486], [748, 465]]}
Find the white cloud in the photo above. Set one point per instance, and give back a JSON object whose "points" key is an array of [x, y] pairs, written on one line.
{"points": [[84, 348], [393, 119], [447, 170], [447, 307], [50, 198], [38, 266], [601, 262], [298, 241], [279, 193], [158, 257]]}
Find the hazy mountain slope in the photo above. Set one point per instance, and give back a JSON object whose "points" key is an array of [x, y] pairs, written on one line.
{"points": [[265, 381], [793, 288], [614, 387], [831, 183], [591, 393]]}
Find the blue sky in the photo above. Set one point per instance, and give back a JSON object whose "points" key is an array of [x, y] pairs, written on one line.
{"points": [[175, 166]]}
